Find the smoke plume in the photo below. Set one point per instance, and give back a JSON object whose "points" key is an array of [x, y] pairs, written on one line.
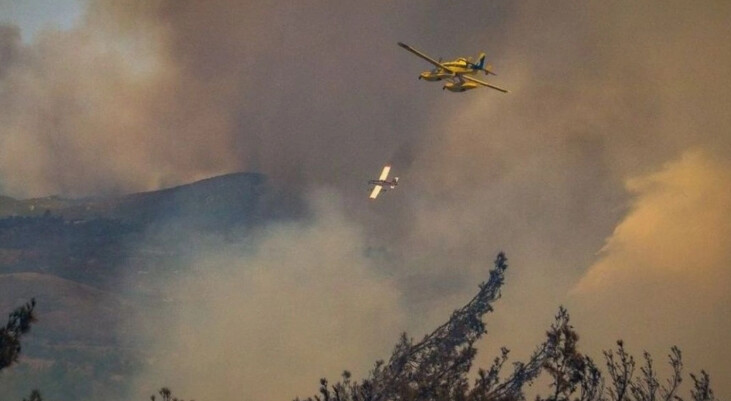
{"points": [[141, 95], [267, 317]]}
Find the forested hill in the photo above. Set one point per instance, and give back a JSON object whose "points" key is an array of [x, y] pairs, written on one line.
{"points": [[225, 192], [87, 240], [88, 262]]}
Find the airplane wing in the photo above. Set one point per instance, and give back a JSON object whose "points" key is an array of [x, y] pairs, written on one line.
{"points": [[384, 173], [376, 190], [483, 83], [424, 56]]}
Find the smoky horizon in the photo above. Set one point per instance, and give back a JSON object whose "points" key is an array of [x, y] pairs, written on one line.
{"points": [[603, 174]]}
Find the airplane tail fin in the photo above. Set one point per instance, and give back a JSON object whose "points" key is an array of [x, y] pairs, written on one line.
{"points": [[484, 67], [481, 61]]}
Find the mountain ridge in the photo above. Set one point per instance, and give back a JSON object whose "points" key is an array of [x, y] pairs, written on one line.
{"points": [[89, 240], [94, 264], [82, 207]]}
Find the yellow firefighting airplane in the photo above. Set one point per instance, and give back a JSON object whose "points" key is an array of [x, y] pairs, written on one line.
{"points": [[456, 72], [382, 182]]}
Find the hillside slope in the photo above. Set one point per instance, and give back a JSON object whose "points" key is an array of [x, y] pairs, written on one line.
{"points": [[94, 264]]}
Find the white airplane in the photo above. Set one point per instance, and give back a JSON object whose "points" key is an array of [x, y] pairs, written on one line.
{"points": [[457, 72], [381, 183]]}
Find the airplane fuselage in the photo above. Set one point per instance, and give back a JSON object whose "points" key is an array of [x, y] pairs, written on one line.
{"points": [[460, 66], [435, 75], [384, 183]]}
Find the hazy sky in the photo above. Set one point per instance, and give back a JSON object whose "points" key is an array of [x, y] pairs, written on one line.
{"points": [[605, 174], [35, 15]]}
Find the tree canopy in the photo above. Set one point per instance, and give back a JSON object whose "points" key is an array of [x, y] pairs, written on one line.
{"points": [[437, 367], [18, 324]]}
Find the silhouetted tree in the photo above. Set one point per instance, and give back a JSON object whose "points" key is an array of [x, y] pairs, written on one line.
{"points": [[18, 324], [569, 370], [702, 387], [647, 387], [35, 395], [166, 395], [436, 368]]}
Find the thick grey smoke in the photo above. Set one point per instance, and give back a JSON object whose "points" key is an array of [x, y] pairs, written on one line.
{"points": [[663, 275], [268, 317], [142, 95], [598, 99], [9, 43]]}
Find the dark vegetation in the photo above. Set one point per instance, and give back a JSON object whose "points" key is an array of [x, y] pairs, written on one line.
{"points": [[437, 367], [94, 262], [91, 240], [18, 324], [166, 395], [75, 250]]}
